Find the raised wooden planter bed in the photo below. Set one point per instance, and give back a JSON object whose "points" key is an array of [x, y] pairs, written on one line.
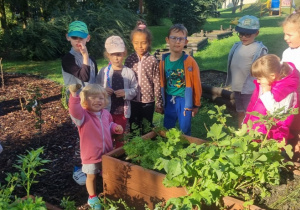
{"points": [[215, 34], [218, 34], [139, 186]]}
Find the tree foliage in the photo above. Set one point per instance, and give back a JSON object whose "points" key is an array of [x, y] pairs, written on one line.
{"points": [[32, 29], [42, 37], [155, 10], [191, 13]]}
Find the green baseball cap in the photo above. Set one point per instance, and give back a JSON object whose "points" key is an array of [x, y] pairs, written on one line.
{"points": [[79, 29]]}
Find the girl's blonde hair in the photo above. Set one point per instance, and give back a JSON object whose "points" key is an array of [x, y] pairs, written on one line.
{"points": [[293, 18], [269, 64], [92, 89]]}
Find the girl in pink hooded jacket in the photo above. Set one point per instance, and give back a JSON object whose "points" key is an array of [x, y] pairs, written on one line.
{"points": [[276, 87], [95, 126]]}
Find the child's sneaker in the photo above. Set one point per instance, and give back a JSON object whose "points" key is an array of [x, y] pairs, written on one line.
{"points": [[94, 203], [79, 176]]}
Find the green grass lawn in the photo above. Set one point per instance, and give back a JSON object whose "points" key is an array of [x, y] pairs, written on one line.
{"points": [[213, 56]]}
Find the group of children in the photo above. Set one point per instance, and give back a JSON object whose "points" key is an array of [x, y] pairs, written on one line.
{"points": [[102, 103], [262, 82], [105, 100]]}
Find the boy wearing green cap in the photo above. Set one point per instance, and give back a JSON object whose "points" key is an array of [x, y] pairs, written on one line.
{"points": [[240, 59], [77, 66]]}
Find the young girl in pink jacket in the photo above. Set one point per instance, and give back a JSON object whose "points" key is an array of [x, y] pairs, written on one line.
{"points": [[95, 126], [276, 87]]}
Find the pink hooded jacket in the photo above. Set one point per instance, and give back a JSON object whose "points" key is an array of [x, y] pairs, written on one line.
{"points": [[94, 129], [280, 90]]}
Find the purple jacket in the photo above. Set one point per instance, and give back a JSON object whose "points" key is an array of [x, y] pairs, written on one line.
{"points": [[280, 90], [94, 131]]}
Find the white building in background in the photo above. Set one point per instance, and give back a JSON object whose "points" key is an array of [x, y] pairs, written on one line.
{"points": [[228, 3]]}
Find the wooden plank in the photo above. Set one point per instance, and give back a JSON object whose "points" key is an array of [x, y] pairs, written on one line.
{"points": [[132, 197], [137, 178]]}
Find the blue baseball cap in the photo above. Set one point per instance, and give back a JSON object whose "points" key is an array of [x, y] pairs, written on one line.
{"points": [[79, 29], [247, 24]]}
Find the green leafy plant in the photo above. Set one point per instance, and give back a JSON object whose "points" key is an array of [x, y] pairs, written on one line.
{"points": [[67, 204], [137, 150], [6, 190], [231, 165], [34, 104], [64, 97], [238, 163], [29, 203], [29, 166]]}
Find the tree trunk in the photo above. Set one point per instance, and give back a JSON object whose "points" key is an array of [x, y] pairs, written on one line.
{"points": [[241, 5], [2, 15], [235, 4], [141, 6]]}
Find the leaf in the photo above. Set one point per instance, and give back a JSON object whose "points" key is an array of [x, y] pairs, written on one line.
{"points": [[174, 201], [225, 142], [241, 146], [216, 132], [289, 150], [182, 153], [248, 203], [242, 131], [234, 157], [233, 175], [262, 158], [174, 167]]}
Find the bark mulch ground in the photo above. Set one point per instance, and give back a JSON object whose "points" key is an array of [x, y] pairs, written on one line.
{"points": [[58, 137]]}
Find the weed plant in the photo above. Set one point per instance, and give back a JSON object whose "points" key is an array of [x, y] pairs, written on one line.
{"points": [[29, 167]]}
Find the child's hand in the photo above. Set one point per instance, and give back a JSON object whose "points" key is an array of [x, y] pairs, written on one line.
{"points": [[120, 93], [109, 91], [118, 129], [194, 111], [159, 110], [82, 48], [74, 88]]}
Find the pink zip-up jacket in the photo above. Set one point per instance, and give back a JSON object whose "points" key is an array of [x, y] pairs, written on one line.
{"points": [[94, 129], [280, 90]]}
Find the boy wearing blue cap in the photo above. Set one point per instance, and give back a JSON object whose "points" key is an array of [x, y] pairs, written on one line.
{"points": [[240, 59]]}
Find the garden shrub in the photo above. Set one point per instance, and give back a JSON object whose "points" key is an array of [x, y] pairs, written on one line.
{"points": [[191, 13], [45, 40], [156, 10]]}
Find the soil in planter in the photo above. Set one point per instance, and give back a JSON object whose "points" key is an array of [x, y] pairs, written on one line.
{"points": [[286, 196]]}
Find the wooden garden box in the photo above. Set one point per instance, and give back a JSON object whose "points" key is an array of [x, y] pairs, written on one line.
{"points": [[139, 186]]}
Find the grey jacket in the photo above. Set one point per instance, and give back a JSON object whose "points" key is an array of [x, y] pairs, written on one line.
{"points": [[130, 86], [248, 86]]}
